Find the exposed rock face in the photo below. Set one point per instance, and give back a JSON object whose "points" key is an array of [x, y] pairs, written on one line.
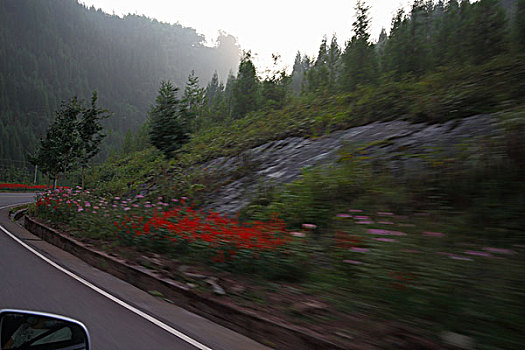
{"points": [[281, 161]]}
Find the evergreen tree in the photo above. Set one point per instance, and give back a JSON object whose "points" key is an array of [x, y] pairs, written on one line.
{"points": [[333, 63], [274, 89], [245, 88], [213, 89], [519, 26], [317, 78], [487, 31], [359, 58], [298, 71], [168, 127], [193, 102], [380, 48]]}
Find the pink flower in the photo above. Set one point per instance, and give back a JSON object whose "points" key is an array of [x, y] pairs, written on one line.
{"points": [[344, 215], [458, 257], [355, 211], [397, 233], [359, 250], [499, 250], [117, 198], [298, 234], [80, 209], [358, 217], [478, 253], [385, 239], [377, 231], [309, 226], [87, 204], [353, 262], [127, 208], [385, 222], [139, 196], [433, 234], [96, 208], [415, 251]]}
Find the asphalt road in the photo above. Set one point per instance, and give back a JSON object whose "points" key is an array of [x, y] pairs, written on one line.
{"points": [[29, 282]]}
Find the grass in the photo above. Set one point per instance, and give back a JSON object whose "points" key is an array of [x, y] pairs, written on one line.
{"points": [[465, 276]]}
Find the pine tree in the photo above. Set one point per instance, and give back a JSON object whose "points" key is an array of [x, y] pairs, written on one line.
{"points": [[245, 88], [193, 102], [274, 89], [519, 26], [168, 127], [333, 63], [317, 78], [213, 89], [486, 30], [359, 58], [297, 74]]}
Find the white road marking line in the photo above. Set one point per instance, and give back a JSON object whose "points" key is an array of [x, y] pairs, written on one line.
{"points": [[14, 205], [109, 296]]}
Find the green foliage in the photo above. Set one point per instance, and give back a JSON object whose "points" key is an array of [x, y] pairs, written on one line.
{"points": [[482, 179], [321, 192], [129, 173], [90, 131], [519, 26], [274, 88], [436, 97], [359, 58], [193, 103], [168, 120], [52, 50], [488, 31], [244, 94], [73, 138]]}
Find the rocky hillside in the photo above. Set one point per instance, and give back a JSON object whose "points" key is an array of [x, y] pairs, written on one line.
{"points": [[236, 178]]}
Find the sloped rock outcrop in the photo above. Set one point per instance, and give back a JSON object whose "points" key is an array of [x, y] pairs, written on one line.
{"points": [[281, 161]]}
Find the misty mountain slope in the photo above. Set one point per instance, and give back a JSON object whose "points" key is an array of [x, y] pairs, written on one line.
{"points": [[53, 50]]}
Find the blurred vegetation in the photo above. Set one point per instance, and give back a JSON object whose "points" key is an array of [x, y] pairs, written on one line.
{"points": [[479, 183], [51, 50], [441, 246]]}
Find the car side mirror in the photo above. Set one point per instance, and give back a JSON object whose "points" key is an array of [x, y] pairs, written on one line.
{"points": [[21, 329]]}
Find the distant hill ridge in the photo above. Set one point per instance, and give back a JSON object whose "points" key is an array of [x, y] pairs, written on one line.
{"points": [[51, 50]]}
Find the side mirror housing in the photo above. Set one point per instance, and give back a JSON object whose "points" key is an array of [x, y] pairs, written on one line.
{"points": [[21, 329]]}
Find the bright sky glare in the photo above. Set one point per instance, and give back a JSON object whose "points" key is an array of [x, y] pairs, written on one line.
{"points": [[265, 27]]}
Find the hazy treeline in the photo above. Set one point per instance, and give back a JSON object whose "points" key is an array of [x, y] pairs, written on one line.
{"points": [[51, 50], [450, 38]]}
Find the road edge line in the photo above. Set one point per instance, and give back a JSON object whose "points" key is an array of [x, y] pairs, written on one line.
{"points": [[122, 303]]}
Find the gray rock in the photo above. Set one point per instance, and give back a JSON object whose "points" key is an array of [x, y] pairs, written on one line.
{"points": [[217, 289], [281, 161], [458, 340]]}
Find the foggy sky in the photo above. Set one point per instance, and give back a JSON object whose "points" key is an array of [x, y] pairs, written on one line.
{"points": [[272, 26]]}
